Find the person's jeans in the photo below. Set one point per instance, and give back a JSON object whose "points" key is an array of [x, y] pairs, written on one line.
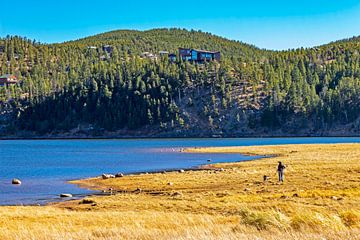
{"points": [[281, 176]]}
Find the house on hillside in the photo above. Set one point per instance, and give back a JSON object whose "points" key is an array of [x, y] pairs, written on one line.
{"points": [[8, 79], [148, 55], [196, 55], [107, 48], [163, 53], [172, 57]]}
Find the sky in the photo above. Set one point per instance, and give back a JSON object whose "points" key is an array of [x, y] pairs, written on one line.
{"points": [[264, 23]]}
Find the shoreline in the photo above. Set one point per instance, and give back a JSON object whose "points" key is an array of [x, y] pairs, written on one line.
{"points": [[202, 167], [98, 189], [83, 183], [145, 137]]}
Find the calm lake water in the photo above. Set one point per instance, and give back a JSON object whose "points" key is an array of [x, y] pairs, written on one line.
{"points": [[45, 166]]}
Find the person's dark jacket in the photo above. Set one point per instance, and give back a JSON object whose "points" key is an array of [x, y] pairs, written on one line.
{"points": [[281, 167]]}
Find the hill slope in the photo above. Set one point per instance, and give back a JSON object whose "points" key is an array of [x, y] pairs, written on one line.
{"points": [[87, 88]]}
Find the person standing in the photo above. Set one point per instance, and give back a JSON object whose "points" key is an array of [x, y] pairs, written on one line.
{"points": [[280, 169]]}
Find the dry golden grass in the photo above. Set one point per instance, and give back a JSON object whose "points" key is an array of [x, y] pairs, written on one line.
{"points": [[319, 200]]}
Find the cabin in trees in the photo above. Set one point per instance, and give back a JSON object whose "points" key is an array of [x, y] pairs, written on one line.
{"points": [[8, 79], [171, 56], [107, 48], [148, 55], [163, 53], [196, 55]]}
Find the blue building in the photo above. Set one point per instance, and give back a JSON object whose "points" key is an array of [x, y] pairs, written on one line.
{"points": [[197, 55]]}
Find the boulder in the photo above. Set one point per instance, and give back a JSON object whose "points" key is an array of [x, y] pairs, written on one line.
{"points": [[176, 194], [118, 175], [65, 195], [107, 176], [16, 181], [87, 201]]}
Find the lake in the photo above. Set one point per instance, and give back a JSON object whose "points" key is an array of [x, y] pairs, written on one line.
{"points": [[45, 166]]}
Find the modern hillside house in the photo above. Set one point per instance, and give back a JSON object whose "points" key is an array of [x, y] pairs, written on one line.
{"points": [[8, 79], [196, 55], [172, 57], [185, 54]]}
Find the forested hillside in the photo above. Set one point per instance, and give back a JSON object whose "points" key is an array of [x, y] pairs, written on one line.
{"points": [[102, 86]]}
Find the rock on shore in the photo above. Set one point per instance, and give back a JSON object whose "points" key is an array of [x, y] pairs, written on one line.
{"points": [[107, 176], [16, 181], [118, 175], [65, 195]]}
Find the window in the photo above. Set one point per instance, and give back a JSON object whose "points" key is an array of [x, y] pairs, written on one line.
{"points": [[194, 55]]}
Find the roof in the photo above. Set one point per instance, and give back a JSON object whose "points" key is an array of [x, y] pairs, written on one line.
{"points": [[204, 51], [199, 50]]}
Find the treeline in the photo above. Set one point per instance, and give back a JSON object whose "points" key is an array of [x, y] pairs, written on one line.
{"points": [[318, 84], [64, 86], [112, 96]]}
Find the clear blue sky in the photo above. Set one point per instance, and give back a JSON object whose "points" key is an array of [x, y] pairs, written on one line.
{"points": [[267, 24]]}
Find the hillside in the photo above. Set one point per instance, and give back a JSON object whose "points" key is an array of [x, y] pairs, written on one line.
{"points": [[104, 85]]}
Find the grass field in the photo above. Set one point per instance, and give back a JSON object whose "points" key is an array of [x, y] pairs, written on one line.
{"points": [[318, 200]]}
